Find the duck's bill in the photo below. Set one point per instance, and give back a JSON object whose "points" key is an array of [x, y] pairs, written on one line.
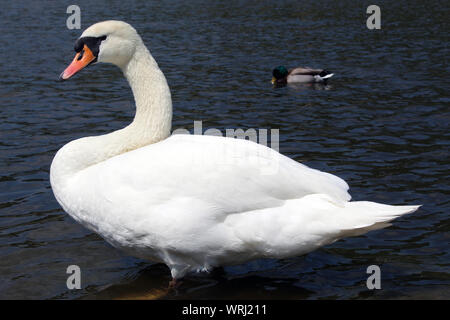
{"points": [[81, 60], [274, 80]]}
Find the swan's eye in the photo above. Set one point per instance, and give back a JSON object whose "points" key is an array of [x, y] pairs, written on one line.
{"points": [[92, 42], [79, 44]]}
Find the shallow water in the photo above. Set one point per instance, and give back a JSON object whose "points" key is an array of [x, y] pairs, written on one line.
{"points": [[381, 124]]}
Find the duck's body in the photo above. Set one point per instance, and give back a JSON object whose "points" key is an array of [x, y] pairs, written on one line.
{"points": [[280, 75], [195, 202]]}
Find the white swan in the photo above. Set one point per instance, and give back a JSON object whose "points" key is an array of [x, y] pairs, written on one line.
{"points": [[194, 202]]}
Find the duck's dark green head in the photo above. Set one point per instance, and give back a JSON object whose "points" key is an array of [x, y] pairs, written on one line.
{"points": [[279, 73]]}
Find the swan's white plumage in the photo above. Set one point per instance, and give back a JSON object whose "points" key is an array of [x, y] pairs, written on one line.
{"points": [[195, 202]]}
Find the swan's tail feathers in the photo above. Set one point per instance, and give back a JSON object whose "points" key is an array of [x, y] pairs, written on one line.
{"points": [[302, 225], [365, 216]]}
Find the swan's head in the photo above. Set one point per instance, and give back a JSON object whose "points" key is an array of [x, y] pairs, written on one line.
{"points": [[108, 41]]}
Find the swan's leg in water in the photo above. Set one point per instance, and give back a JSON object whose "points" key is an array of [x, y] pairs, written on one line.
{"points": [[174, 284], [178, 271]]}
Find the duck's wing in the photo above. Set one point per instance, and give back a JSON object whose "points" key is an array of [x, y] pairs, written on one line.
{"points": [[305, 71]]}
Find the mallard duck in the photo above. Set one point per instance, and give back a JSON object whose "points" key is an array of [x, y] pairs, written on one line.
{"points": [[194, 202], [280, 75]]}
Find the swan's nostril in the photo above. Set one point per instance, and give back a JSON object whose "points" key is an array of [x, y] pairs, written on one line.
{"points": [[80, 56]]}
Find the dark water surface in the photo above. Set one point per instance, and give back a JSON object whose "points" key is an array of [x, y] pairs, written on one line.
{"points": [[382, 124]]}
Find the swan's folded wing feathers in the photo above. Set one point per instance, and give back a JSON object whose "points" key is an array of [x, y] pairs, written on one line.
{"points": [[144, 182], [243, 161], [224, 171]]}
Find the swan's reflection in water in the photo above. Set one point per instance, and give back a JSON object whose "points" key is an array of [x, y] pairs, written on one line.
{"points": [[151, 283]]}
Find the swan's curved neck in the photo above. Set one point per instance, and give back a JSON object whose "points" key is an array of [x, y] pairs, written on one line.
{"points": [[153, 118], [152, 121]]}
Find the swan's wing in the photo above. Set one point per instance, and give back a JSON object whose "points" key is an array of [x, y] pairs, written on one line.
{"points": [[235, 174], [187, 185]]}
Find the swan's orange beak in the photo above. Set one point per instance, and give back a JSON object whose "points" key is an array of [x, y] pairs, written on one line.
{"points": [[81, 60]]}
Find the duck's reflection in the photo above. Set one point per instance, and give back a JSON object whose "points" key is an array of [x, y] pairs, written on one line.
{"points": [[305, 86]]}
